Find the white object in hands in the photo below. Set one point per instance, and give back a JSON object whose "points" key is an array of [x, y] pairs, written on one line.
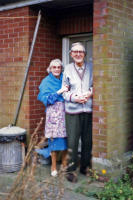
{"points": [[83, 97], [80, 99]]}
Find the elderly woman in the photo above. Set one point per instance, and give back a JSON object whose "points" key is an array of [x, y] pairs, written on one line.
{"points": [[51, 96]]}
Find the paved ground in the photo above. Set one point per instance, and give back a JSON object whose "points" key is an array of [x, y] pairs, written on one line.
{"points": [[43, 173]]}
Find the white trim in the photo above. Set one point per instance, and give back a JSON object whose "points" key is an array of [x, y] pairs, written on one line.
{"points": [[65, 50], [22, 4], [80, 35]]}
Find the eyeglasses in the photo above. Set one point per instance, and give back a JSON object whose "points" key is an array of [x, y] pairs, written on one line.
{"points": [[76, 52], [56, 67]]}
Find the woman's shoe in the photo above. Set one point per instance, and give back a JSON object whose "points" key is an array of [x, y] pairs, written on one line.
{"points": [[54, 173]]}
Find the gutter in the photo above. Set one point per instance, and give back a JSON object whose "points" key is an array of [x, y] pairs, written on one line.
{"points": [[22, 4]]}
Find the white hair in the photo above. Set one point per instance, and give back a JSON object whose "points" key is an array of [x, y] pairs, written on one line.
{"points": [[76, 44], [54, 62]]}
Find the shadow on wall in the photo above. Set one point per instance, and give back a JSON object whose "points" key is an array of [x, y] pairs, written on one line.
{"points": [[128, 81]]}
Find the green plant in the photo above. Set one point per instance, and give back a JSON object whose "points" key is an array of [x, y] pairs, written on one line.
{"points": [[121, 190], [85, 191], [93, 174], [129, 171], [98, 176]]}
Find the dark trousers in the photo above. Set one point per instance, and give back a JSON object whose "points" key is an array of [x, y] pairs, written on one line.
{"points": [[79, 125]]}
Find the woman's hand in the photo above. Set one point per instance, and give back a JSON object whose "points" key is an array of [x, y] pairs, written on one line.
{"points": [[63, 89]]}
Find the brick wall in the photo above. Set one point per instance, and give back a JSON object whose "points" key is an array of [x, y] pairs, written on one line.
{"points": [[15, 38], [13, 57], [112, 52], [112, 58]]}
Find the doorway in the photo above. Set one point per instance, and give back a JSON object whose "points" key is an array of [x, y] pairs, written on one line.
{"points": [[86, 40]]}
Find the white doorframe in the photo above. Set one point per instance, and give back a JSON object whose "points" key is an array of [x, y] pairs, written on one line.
{"points": [[65, 50]]}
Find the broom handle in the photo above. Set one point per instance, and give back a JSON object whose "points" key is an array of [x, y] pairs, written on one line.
{"points": [[27, 68]]}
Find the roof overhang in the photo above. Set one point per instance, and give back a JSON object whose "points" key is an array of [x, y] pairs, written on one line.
{"points": [[11, 4], [53, 4]]}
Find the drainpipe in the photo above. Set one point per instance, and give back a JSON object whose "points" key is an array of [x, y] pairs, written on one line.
{"points": [[27, 68], [22, 4]]}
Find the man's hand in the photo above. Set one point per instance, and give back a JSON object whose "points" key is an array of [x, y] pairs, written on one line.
{"points": [[87, 95], [80, 99], [84, 97]]}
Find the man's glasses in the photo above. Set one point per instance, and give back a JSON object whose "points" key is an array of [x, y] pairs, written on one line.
{"points": [[76, 52]]}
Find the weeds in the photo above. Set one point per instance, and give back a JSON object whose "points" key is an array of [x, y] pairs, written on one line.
{"points": [[26, 186], [122, 189]]}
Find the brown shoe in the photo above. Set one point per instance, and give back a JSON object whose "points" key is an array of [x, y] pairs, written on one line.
{"points": [[86, 172], [72, 177]]}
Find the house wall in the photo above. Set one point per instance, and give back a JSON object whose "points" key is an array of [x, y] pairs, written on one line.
{"points": [[112, 58], [14, 46], [113, 94]]}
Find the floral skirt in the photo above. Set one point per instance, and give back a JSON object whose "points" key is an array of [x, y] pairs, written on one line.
{"points": [[55, 121]]}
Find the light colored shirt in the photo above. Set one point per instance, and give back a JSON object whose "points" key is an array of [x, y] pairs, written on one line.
{"points": [[80, 69]]}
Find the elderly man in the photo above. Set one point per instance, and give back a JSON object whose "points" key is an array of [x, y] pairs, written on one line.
{"points": [[78, 107]]}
